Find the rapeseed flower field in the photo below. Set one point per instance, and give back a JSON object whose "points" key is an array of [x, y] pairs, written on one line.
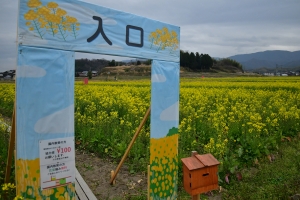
{"points": [[238, 120]]}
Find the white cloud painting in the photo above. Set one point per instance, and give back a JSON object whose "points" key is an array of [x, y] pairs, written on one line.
{"points": [[61, 121], [30, 72], [158, 78], [171, 113]]}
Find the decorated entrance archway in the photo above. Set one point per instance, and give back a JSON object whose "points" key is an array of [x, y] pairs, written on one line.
{"points": [[49, 32]]}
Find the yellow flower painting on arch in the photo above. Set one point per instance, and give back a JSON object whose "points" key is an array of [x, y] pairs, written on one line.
{"points": [[164, 166], [29, 171], [163, 38], [50, 19]]}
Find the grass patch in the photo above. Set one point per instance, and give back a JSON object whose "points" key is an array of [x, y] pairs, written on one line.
{"points": [[279, 179], [4, 143]]}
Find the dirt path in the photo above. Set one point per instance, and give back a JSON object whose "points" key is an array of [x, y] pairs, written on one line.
{"points": [[96, 173]]}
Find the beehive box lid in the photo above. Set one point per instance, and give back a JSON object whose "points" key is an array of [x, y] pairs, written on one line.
{"points": [[192, 163], [207, 160]]}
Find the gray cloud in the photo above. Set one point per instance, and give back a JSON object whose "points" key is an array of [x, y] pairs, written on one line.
{"points": [[219, 28]]}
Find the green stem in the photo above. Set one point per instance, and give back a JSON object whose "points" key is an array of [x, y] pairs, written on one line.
{"points": [[51, 27], [151, 43], [61, 32], [60, 29], [159, 47], [37, 28], [74, 30]]}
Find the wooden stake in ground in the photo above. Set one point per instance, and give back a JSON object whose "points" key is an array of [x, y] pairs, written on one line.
{"points": [[11, 147], [111, 175], [130, 145]]}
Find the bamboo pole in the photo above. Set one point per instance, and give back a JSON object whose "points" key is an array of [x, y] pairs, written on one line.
{"points": [[11, 147], [130, 145]]}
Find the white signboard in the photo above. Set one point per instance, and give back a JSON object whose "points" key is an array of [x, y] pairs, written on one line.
{"points": [[57, 161]]}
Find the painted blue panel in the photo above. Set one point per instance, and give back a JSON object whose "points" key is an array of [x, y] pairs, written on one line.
{"points": [[164, 97], [164, 130], [79, 26], [45, 98]]}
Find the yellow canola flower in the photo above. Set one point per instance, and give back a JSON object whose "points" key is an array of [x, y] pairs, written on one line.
{"points": [[66, 196], [43, 11], [60, 12], [52, 5], [18, 197], [4, 187], [47, 192], [33, 3], [31, 15], [8, 186], [53, 18], [72, 20], [61, 198]]}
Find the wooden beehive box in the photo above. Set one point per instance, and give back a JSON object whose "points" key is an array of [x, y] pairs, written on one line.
{"points": [[200, 173]]}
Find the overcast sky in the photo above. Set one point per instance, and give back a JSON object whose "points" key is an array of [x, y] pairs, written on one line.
{"points": [[220, 28]]}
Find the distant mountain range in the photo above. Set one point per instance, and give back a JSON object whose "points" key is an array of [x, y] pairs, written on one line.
{"points": [[269, 59]]}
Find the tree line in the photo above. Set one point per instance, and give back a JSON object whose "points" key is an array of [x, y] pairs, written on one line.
{"points": [[195, 61], [132, 62], [203, 62], [93, 65]]}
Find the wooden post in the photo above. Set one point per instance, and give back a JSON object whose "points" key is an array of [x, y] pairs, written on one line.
{"points": [[11, 147], [148, 182], [111, 175], [130, 145], [197, 196], [17, 188]]}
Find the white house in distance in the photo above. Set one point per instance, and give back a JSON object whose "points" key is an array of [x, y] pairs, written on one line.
{"points": [[268, 74], [85, 73]]}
